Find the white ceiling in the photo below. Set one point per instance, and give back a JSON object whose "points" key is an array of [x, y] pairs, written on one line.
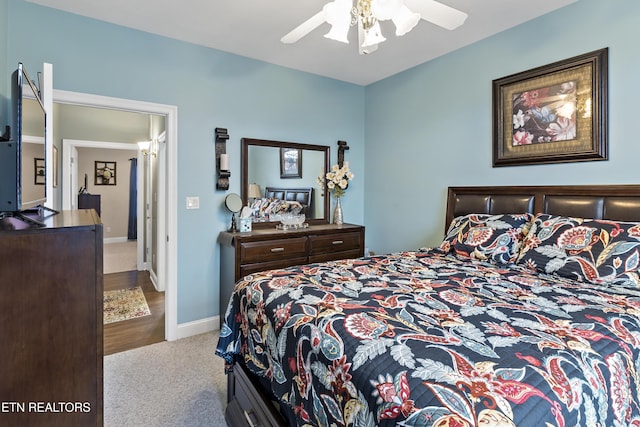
{"points": [[253, 28]]}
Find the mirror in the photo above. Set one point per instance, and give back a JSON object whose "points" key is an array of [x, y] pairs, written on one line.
{"points": [[33, 151], [285, 170], [233, 202]]}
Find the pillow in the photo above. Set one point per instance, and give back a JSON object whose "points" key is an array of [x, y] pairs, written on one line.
{"points": [[264, 208], [259, 209], [495, 238], [595, 251]]}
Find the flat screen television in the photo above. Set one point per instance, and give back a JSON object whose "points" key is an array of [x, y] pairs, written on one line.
{"points": [[22, 153]]}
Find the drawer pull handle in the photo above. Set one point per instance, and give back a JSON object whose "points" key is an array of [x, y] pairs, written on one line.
{"points": [[251, 418], [337, 242], [277, 249]]}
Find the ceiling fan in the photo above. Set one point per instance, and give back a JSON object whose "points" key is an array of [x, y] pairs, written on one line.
{"points": [[367, 14]]}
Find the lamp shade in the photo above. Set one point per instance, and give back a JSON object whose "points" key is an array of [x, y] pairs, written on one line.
{"points": [[338, 15], [254, 191], [385, 9], [361, 49], [405, 20], [373, 36]]}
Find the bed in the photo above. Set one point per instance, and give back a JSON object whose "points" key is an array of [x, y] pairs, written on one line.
{"points": [[527, 314]]}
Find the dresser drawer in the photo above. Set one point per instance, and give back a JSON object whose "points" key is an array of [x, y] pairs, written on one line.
{"points": [[246, 269], [334, 256], [271, 250], [338, 242]]}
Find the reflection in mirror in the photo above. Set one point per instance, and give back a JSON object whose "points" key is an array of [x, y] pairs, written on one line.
{"points": [[33, 151], [33, 171], [261, 165]]}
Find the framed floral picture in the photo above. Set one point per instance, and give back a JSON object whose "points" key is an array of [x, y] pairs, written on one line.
{"points": [[105, 173], [551, 114], [290, 162]]}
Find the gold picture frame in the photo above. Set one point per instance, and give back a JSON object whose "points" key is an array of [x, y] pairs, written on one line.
{"points": [[552, 114]]}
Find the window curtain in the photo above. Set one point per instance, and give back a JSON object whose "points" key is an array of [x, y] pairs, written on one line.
{"points": [[132, 233]]}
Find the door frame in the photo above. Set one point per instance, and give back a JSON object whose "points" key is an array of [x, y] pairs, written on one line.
{"points": [[167, 191]]}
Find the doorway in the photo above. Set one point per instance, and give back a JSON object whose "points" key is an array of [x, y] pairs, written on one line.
{"points": [[166, 221], [70, 187]]}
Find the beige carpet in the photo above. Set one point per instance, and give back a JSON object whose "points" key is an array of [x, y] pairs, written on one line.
{"points": [[170, 384], [121, 256], [125, 304]]}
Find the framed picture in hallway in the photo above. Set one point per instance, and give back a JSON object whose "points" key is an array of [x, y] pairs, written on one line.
{"points": [[39, 175], [105, 173]]}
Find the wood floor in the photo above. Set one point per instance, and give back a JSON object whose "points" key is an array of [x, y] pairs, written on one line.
{"points": [[134, 333]]}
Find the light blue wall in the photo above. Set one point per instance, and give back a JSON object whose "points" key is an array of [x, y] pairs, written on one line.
{"points": [[211, 89], [431, 127]]}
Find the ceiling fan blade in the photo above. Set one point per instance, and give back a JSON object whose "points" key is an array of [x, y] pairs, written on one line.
{"points": [[437, 13], [305, 28]]}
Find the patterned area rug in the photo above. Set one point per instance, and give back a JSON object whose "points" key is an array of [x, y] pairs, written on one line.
{"points": [[125, 304]]}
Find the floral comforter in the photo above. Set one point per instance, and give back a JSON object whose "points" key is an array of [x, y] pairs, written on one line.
{"points": [[429, 339]]}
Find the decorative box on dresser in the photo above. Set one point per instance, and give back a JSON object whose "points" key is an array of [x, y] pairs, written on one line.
{"points": [[264, 249], [51, 320]]}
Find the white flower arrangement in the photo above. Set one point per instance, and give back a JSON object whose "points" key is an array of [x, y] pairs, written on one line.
{"points": [[336, 181]]}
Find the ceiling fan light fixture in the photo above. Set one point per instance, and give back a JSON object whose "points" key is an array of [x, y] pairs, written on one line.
{"points": [[373, 36], [385, 9], [338, 33], [366, 15], [361, 49], [338, 15], [405, 20]]}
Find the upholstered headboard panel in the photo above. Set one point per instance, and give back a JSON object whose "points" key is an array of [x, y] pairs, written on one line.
{"points": [[300, 195], [615, 202]]}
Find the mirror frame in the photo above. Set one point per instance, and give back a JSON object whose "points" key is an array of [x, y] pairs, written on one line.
{"points": [[244, 181]]}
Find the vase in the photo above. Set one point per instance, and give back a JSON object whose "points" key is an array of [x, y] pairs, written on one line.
{"points": [[337, 212]]}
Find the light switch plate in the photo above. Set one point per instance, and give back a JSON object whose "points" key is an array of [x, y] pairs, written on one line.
{"points": [[193, 202]]}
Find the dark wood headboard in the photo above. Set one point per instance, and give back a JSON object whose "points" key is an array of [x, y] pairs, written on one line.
{"points": [[304, 196], [615, 202]]}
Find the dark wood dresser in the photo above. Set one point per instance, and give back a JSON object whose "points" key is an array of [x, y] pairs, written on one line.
{"points": [[51, 321], [263, 249], [269, 248], [89, 201]]}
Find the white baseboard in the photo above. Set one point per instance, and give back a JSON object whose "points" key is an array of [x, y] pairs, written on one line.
{"points": [[198, 327], [115, 239], [154, 280]]}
